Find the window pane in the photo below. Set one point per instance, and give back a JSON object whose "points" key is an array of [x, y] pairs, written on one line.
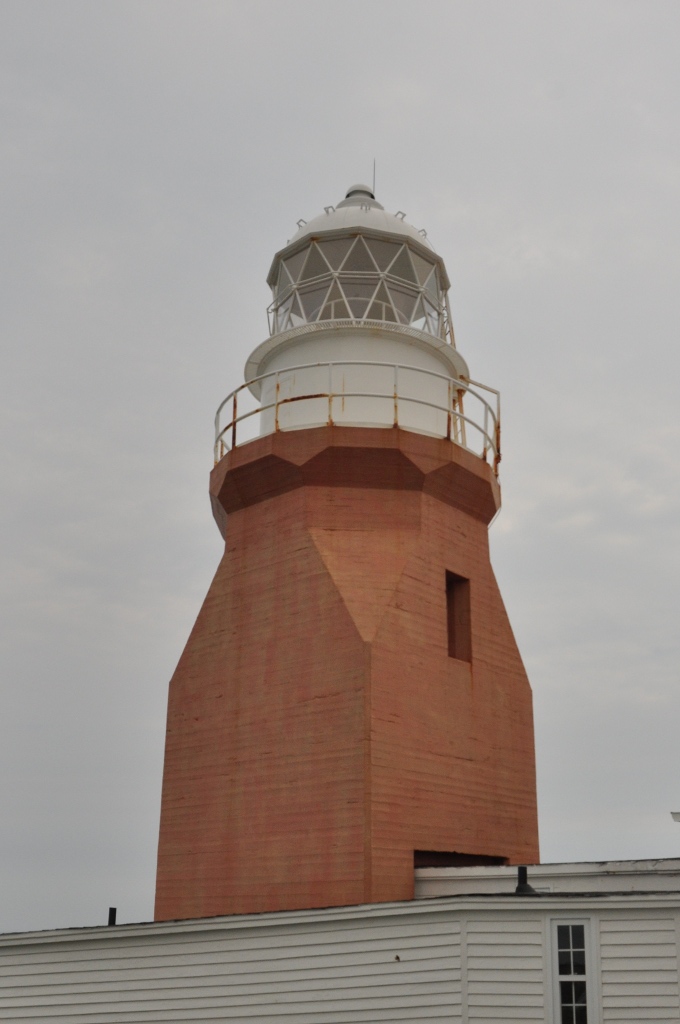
{"points": [[358, 307], [359, 261], [359, 289], [578, 936], [579, 961], [285, 283], [404, 300], [579, 992], [432, 287], [563, 939], [423, 268], [383, 252], [315, 265], [296, 314], [294, 263], [335, 292], [580, 1015], [381, 294], [432, 316], [418, 317], [564, 960], [567, 1015], [335, 250], [403, 268], [312, 301], [282, 314]]}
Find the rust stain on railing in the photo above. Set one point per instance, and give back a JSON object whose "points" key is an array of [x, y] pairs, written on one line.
{"points": [[456, 421]]}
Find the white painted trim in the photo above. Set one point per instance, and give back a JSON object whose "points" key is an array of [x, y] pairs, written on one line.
{"points": [[493, 904], [548, 986], [464, 1008], [258, 360]]}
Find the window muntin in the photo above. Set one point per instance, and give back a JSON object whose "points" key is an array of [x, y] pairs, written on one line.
{"points": [[572, 974], [360, 279]]}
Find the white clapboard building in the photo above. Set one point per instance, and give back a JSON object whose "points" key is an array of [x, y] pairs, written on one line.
{"points": [[596, 944]]}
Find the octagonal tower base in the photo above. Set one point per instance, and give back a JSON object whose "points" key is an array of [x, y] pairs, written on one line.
{"points": [[351, 700]]}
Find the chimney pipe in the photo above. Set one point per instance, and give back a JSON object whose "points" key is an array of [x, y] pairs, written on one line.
{"points": [[112, 916], [523, 886]]}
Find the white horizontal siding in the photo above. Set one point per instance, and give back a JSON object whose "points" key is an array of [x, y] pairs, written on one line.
{"points": [[504, 970], [325, 974], [474, 964], [639, 966]]}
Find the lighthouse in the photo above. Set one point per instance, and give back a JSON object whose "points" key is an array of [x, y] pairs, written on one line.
{"points": [[351, 703]]}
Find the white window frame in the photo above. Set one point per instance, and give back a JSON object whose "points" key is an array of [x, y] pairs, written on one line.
{"points": [[591, 977]]}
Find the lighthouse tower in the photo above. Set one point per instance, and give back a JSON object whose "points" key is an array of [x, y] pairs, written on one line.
{"points": [[351, 702]]}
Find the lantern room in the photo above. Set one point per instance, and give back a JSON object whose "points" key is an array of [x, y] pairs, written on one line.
{"points": [[386, 273], [360, 334]]}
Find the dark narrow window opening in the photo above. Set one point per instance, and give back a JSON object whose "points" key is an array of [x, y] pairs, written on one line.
{"points": [[458, 617], [442, 859], [571, 959]]}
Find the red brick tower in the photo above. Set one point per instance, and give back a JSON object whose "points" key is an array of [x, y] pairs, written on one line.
{"points": [[351, 700]]}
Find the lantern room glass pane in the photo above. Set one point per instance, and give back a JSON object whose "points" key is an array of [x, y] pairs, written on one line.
{"points": [[382, 252], [296, 315], [285, 284], [432, 287], [423, 267], [335, 307], [294, 263], [433, 317], [382, 294], [363, 289], [358, 307], [335, 292], [419, 320], [359, 260], [403, 268], [312, 300], [335, 250], [315, 266], [404, 299], [282, 313]]}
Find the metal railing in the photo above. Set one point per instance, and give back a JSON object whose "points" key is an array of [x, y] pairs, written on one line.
{"points": [[450, 418]]}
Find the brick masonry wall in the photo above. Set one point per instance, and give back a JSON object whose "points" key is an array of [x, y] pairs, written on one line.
{"points": [[318, 731]]}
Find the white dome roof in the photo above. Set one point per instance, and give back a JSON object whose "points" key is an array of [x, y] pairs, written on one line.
{"points": [[358, 211]]}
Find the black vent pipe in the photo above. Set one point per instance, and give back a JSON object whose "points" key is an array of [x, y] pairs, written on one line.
{"points": [[522, 882]]}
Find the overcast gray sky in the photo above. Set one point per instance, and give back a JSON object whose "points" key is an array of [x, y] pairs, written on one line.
{"points": [[153, 156]]}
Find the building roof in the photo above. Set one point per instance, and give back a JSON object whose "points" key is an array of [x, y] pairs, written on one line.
{"points": [[594, 877]]}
